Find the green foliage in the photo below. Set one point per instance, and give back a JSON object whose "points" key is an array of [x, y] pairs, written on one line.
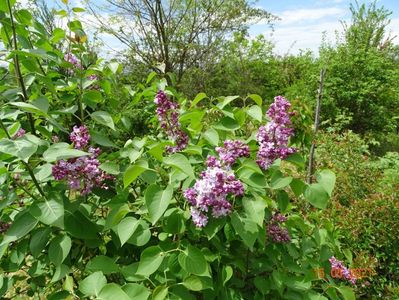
{"points": [[361, 73], [370, 227], [365, 207], [347, 155], [135, 239]]}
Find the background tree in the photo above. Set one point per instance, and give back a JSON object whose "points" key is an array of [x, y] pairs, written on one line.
{"points": [[180, 34], [361, 81]]}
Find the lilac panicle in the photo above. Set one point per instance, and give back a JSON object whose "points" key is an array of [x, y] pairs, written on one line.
{"points": [[71, 58], [209, 193], [82, 173], [92, 77], [19, 133], [338, 266], [168, 117], [79, 137], [275, 231], [273, 137], [231, 151]]}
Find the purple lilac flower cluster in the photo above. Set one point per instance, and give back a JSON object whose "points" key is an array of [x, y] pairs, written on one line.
{"points": [[82, 173], [4, 226], [273, 137], [275, 231], [215, 184], [71, 58], [19, 133], [93, 86], [92, 77], [337, 266], [168, 116], [232, 150]]}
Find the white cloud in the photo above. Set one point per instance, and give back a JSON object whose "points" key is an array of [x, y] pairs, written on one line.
{"points": [[291, 39], [304, 28], [394, 29], [310, 14]]}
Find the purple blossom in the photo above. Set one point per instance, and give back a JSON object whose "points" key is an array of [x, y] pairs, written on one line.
{"points": [[273, 137], [4, 226], [93, 86], [199, 219], [82, 173], [168, 117], [231, 151], [71, 58], [19, 133], [92, 77], [212, 162], [210, 193], [337, 267], [275, 231], [79, 137]]}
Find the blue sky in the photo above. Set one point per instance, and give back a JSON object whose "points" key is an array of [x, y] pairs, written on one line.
{"points": [[303, 22]]}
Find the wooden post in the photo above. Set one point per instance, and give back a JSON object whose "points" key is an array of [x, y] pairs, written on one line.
{"points": [[316, 125]]}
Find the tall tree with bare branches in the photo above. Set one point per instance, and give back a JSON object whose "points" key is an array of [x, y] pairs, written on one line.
{"points": [[178, 33]]}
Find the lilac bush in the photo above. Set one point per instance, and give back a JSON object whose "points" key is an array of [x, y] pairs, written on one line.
{"points": [[138, 238]]}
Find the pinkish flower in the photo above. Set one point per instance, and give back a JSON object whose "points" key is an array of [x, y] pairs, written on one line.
{"points": [[71, 58], [81, 173], [275, 231], [79, 137], [168, 117], [231, 151], [337, 267], [210, 193], [19, 133], [273, 137]]}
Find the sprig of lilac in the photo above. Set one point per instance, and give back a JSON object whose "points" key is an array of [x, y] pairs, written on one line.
{"points": [[71, 58], [168, 117], [19, 133], [338, 266], [79, 137], [231, 151], [276, 231], [82, 173], [273, 137], [209, 193]]}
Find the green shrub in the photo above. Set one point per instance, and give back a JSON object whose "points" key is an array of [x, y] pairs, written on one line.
{"points": [[347, 154], [370, 228], [90, 211]]}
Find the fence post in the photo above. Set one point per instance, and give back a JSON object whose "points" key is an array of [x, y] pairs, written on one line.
{"points": [[316, 126]]}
